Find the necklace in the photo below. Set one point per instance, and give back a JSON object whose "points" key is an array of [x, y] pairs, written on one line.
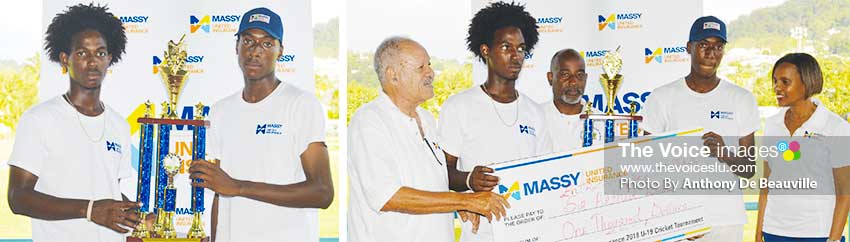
{"points": [[80, 120], [493, 102]]}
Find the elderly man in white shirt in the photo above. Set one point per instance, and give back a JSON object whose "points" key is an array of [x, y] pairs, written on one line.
{"points": [[399, 186]]}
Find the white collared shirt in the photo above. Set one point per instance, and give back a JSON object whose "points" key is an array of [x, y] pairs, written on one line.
{"points": [[824, 147], [386, 152], [70, 162]]}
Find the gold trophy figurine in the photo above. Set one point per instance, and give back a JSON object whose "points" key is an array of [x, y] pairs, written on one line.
{"points": [[173, 72], [611, 80]]}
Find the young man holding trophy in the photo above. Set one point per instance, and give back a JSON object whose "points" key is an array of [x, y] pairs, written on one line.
{"points": [[269, 138], [722, 108], [72, 151]]}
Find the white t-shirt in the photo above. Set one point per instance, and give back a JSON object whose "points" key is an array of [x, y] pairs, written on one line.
{"points": [[263, 142], [565, 131], [387, 152], [473, 130], [52, 144], [784, 214], [728, 110]]}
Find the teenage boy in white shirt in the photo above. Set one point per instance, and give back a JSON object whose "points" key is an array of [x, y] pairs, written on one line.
{"points": [[269, 136], [72, 152], [723, 109]]}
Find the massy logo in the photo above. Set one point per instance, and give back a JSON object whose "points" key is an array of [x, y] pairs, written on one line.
{"points": [[286, 63], [622, 103], [550, 24], [113, 146], [203, 22], [134, 24], [721, 115], [190, 61], [609, 22], [133, 19], [269, 129], [593, 58], [616, 21], [665, 54], [513, 191], [790, 151], [526, 129], [538, 186], [286, 58]]}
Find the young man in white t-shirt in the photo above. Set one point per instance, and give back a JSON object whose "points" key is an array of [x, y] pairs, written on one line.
{"points": [[723, 109], [492, 122], [72, 153], [269, 137], [399, 188], [567, 77]]}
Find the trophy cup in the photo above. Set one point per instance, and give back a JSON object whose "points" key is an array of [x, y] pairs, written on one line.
{"points": [[174, 76], [611, 81], [173, 72]]}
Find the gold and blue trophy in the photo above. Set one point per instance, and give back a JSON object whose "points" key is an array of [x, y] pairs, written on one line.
{"points": [[611, 82], [174, 76]]}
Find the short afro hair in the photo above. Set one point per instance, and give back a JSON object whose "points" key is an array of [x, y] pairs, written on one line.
{"points": [[498, 15], [79, 18]]}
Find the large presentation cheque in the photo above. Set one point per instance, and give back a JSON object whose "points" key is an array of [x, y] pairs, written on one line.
{"points": [[560, 197]]}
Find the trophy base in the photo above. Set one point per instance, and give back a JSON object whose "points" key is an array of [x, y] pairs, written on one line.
{"points": [[183, 239]]}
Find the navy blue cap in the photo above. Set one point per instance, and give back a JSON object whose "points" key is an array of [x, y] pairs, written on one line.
{"points": [[707, 26], [262, 18]]}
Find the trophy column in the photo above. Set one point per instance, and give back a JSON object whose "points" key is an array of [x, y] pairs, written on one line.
{"points": [[143, 188], [199, 134], [167, 196]]}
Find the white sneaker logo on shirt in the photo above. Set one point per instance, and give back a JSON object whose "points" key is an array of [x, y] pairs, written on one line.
{"points": [[269, 129], [526, 129], [113, 146]]}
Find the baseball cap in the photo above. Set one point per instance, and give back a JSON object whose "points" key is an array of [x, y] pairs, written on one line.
{"points": [[262, 18], [707, 26]]}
